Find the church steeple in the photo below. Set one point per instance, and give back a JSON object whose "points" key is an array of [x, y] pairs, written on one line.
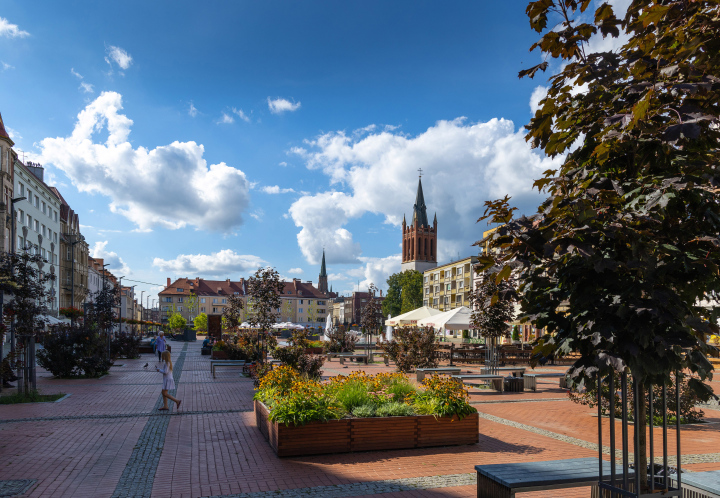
{"points": [[322, 279], [419, 249], [419, 209]]}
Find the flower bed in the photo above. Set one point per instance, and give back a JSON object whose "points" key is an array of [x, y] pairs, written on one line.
{"points": [[360, 412]]}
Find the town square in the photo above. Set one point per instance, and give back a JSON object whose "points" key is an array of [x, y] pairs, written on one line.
{"points": [[360, 249]]}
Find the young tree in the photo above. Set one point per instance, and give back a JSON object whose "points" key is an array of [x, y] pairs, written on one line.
{"points": [[493, 308], [404, 292], [191, 303], [287, 310], [177, 322], [371, 314], [312, 312], [201, 322], [628, 236], [233, 313], [265, 289]]}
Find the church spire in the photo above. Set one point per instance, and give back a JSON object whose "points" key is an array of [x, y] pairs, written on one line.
{"points": [[323, 271], [419, 209], [322, 279]]}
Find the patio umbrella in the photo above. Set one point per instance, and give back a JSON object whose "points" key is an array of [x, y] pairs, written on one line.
{"points": [[388, 331], [412, 317], [328, 328], [455, 319]]}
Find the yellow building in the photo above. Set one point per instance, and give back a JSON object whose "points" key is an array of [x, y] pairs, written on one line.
{"points": [[449, 286]]}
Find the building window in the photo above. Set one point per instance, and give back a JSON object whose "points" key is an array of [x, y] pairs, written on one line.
{"points": [[44, 208], [437, 289], [22, 189], [427, 290], [29, 223], [215, 310], [301, 301], [300, 310], [321, 312], [321, 303], [55, 234], [37, 226], [202, 299], [435, 302], [236, 293], [447, 299], [56, 215], [447, 287], [37, 202], [180, 308], [447, 273], [202, 309], [29, 196], [180, 299], [224, 301], [425, 303], [460, 284], [167, 299], [215, 302], [459, 271]]}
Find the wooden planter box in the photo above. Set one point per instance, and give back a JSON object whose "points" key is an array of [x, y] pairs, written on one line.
{"points": [[363, 434], [219, 355], [313, 350]]}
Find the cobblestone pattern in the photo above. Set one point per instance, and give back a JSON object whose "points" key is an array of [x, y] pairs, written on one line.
{"points": [[139, 474], [16, 486], [672, 459], [123, 415], [365, 488]]}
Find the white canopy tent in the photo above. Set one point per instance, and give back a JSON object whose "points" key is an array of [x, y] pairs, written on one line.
{"points": [[412, 317], [455, 319]]}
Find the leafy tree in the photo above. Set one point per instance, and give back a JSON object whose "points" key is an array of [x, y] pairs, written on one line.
{"points": [[404, 292], [287, 310], [265, 289], [628, 237], [201, 322], [312, 311], [191, 303], [233, 313], [177, 322], [371, 314], [411, 348], [515, 333], [340, 341]]}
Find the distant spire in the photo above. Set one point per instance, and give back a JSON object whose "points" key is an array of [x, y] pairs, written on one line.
{"points": [[323, 271], [435, 220], [419, 209]]}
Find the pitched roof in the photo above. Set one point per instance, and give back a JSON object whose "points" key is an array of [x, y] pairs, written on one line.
{"points": [[419, 209], [202, 287], [3, 133]]}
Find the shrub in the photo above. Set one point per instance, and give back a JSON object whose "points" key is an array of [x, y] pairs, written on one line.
{"points": [[411, 348], [353, 394], [340, 341], [307, 401], [364, 411], [394, 409], [125, 346], [74, 351], [295, 357], [449, 396]]}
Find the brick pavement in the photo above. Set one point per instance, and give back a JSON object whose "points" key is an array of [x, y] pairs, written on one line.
{"points": [[106, 439]]}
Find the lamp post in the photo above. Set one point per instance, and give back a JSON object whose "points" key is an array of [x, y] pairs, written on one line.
{"points": [[12, 246], [132, 302], [142, 293], [147, 315], [120, 307], [152, 307]]}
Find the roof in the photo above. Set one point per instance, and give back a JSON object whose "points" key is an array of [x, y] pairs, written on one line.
{"points": [[3, 133], [202, 287], [419, 209]]}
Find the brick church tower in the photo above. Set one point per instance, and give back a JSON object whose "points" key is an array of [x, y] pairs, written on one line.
{"points": [[419, 242], [323, 279]]}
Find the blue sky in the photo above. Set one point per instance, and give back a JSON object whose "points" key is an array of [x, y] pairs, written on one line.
{"points": [[207, 139]]}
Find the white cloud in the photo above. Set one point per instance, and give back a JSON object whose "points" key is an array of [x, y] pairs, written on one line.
{"points": [[280, 105], [75, 73], [119, 56], [6, 66], [374, 271], [87, 87], [14, 135], [217, 264], [241, 114], [537, 95], [274, 189], [295, 271], [282, 163], [464, 164], [11, 30], [170, 186], [117, 264], [225, 119], [257, 214], [192, 111]]}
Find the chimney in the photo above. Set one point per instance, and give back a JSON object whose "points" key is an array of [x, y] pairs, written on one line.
{"points": [[36, 169], [228, 281], [168, 284]]}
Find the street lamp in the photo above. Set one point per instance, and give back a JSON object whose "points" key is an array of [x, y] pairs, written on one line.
{"points": [[147, 315], [120, 305], [141, 313]]}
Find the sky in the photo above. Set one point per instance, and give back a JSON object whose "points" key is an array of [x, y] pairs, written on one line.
{"points": [[210, 139]]}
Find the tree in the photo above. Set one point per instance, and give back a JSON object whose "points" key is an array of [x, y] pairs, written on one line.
{"points": [[191, 303], [287, 310], [265, 289], [177, 322], [404, 292], [493, 308], [201, 322], [411, 348], [628, 237], [371, 314], [312, 311], [233, 313]]}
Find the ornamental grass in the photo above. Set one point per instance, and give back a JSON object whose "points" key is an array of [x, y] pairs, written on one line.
{"points": [[293, 398]]}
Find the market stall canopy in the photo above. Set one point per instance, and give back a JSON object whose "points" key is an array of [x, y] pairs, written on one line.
{"points": [[412, 317], [455, 319]]}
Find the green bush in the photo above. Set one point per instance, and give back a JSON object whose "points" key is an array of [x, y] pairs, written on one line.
{"points": [[449, 396], [411, 348], [394, 409], [364, 411], [353, 394], [73, 351], [125, 345], [401, 389]]}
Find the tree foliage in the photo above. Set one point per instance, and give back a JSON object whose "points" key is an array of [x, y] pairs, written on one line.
{"points": [[404, 293], [411, 348], [177, 322], [265, 289], [493, 306], [232, 314], [201, 322], [371, 314]]}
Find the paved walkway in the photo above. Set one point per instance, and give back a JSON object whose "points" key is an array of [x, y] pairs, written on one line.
{"points": [[107, 439]]}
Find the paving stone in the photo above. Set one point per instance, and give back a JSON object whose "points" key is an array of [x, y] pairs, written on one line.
{"points": [[15, 487]]}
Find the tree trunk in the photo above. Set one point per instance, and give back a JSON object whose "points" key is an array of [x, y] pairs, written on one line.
{"points": [[641, 457]]}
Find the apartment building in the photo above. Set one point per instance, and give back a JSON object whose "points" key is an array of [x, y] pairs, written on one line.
{"points": [[38, 222], [8, 158], [449, 286]]}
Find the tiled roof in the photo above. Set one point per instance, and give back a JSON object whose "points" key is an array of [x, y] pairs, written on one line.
{"points": [[202, 287]]}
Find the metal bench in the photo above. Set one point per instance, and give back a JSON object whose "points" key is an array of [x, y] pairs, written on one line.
{"points": [[495, 380], [225, 363], [505, 479], [531, 379], [699, 484], [333, 355], [347, 356], [421, 372], [510, 370]]}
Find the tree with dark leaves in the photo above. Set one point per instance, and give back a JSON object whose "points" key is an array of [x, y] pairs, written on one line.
{"points": [[265, 289]]}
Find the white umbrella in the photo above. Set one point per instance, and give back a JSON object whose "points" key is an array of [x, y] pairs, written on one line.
{"points": [[245, 325], [388, 331], [412, 317], [455, 319], [328, 328]]}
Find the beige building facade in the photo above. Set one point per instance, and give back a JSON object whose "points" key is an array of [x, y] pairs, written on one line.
{"points": [[449, 286]]}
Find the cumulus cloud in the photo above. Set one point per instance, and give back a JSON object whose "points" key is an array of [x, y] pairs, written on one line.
{"points": [[218, 264], [99, 250], [241, 114], [274, 189], [295, 271], [282, 163], [192, 110], [9, 30], [170, 186], [226, 119], [537, 95], [119, 57], [373, 271], [280, 105], [464, 164]]}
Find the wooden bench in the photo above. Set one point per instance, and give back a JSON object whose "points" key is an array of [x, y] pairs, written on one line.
{"points": [[421, 372], [495, 380], [347, 356], [505, 479], [214, 364], [510, 370], [531, 379], [699, 484], [333, 355]]}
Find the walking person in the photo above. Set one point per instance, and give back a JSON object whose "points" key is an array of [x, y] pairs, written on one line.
{"points": [[160, 345], [168, 382]]}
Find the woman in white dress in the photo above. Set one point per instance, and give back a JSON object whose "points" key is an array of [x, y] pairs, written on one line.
{"points": [[168, 381]]}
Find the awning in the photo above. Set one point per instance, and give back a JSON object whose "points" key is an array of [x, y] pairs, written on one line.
{"points": [[412, 317]]}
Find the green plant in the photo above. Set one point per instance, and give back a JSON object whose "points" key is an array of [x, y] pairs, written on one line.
{"points": [[201, 322], [411, 348], [353, 394], [32, 396], [305, 402], [125, 345], [177, 322], [364, 411], [73, 351], [404, 292], [426, 405], [340, 341], [394, 409], [449, 395], [401, 388]]}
